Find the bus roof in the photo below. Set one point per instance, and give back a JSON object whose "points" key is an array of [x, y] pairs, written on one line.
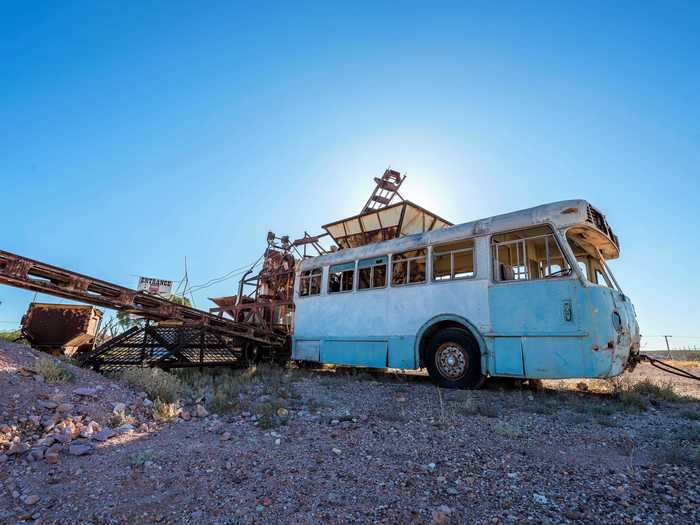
{"points": [[561, 214]]}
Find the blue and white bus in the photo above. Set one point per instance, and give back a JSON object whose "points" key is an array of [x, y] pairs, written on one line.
{"points": [[522, 295]]}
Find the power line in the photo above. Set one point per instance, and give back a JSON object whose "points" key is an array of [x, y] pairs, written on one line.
{"points": [[230, 275]]}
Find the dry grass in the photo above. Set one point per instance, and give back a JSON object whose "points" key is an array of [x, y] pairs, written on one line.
{"points": [[163, 411], [159, 385], [634, 396], [227, 390], [53, 371], [117, 419]]}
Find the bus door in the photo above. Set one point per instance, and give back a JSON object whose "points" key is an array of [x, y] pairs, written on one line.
{"points": [[533, 304]]}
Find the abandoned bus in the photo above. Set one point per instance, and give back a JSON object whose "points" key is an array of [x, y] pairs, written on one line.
{"points": [[523, 295]]}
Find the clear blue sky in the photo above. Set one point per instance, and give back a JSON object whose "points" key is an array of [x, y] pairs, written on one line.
{"points": [[136, 134]]}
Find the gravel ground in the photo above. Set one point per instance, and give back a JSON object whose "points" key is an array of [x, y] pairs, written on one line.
{"points": [[344, 447]]}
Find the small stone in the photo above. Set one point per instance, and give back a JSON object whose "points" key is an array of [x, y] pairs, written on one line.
{"points": [[37, 454], [3, 458], [17, 448], [147, 402], [185, 415], [225, 436], [282, 412], [336, 451], [31, 500], [278, 441], [432, 466], [51, 458], [46, 441], [85, 391], [540, 498], [79, 450], [125, 429], [5, 429], [200, 411], [118, 407]]}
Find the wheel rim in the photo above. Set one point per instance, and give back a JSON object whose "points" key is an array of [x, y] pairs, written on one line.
{"points": [[451, 360]]}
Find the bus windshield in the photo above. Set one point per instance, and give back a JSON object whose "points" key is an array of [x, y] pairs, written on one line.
{"points": [[588, 259]]}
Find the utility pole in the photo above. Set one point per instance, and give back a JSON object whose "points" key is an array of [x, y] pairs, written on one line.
{"points": [[668, 347]]}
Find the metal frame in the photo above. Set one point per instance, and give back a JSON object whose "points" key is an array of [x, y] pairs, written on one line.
{"points": [[29, 274], [168, 346]]}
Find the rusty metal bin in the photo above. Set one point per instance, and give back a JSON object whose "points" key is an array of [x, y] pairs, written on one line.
{"points": [[61, 328]]}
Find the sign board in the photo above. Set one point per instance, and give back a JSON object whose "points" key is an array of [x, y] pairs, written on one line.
{"points": [[152, 286]]}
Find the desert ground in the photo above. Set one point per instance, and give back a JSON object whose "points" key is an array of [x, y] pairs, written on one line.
{"points": [[290, 445]]}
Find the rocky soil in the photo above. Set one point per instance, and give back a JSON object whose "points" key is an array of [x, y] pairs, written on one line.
{"points": [[335, 446]]}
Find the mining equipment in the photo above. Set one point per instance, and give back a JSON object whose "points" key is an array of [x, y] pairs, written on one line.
{"points": [[253, 325]]}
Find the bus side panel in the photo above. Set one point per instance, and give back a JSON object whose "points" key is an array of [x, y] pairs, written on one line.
{"points": [[393, 315], [508, 356], [358, 353], [306, 350], [402, 352], [553, 357]]}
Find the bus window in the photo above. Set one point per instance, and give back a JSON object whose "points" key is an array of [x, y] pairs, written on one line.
{"points": [[371, 273], [588, 257], [310, 282], [408, 267], [453, 261], [340, 277], [528, 254], [583, 267], [601, 278]]}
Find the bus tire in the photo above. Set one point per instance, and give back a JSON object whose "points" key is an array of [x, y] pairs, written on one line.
{"points": [[454, 360]]}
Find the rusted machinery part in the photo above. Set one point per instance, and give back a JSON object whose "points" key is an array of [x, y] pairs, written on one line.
{"points": [[22, 272]]}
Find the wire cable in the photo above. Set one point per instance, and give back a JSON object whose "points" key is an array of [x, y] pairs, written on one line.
{"points": [[230, 275]]}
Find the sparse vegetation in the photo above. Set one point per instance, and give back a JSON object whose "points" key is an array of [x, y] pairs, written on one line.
{"points": [[634, 396], [10, 335], [139, 459], [607, 422], [602, 410], [575, 419], [120, 418], [648, 388], [505, 429], [316, 404], [159, 385], [53, 371], [692, 415], [689, 455], [163, 411], [487, 410]]}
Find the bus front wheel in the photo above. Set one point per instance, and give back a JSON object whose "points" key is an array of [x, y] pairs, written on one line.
{"points": [[454, 360]]}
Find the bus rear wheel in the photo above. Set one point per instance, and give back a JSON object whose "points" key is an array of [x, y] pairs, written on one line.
{"points": [[454, 360]]}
